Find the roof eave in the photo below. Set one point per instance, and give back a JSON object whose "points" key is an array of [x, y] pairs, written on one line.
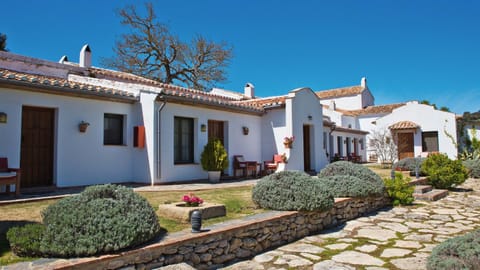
{"points": [[210, 105], [59, 90]]}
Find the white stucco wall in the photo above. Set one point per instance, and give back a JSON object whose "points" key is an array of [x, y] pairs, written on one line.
{"points": [[79, 158], [348, 102], [367, 98], [335, 116], [301, 104], [470, 130], [236, 142], [428, 119], [349, 122], [273, 131], [366, 123]]}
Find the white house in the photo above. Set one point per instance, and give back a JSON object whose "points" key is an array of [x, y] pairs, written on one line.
{"points": [[417, 129], [139, 130]]}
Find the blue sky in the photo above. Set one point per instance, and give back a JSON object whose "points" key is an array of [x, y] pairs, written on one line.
{"points": [[408, 50]]}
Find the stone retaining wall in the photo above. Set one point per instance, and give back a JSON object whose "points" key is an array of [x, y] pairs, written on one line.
{"points": [[230, 241]]}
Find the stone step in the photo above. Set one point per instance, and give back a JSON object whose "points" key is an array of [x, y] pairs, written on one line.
{"points": [[421, 189], [419, 181], [433, 195]]}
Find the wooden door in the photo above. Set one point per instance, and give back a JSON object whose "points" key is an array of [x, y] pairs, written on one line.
{"points": [[216, 130], [36, 160], [306, 149], [405, 145]]}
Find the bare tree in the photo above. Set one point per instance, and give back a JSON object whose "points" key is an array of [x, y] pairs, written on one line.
{"points": [[383, 143], [151, 51], [3, 42]]}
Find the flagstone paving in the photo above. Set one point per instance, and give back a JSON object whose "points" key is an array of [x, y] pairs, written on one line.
{"points": [[397, 238]]}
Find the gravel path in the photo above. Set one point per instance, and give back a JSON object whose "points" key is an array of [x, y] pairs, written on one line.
{"points": [[397, 238]]}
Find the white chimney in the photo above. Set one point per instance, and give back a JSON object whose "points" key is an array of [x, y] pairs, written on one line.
{"points": [[364, 82], [63, 59], [249, 90], [332, 105], [85, 56]]}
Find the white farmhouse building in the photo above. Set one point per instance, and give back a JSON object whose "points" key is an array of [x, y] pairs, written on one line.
{"points": [[418, 129], [69, 124], [73, 124]]}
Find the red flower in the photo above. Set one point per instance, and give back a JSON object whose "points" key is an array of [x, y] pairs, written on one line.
{"points": [[192, 200]]}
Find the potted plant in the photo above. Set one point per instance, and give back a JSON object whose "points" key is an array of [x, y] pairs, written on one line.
{"points": [[288, 141], [214, 159]]}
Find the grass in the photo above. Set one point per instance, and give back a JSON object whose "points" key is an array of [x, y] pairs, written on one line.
{"points": [[237, 200], [380, 170]]}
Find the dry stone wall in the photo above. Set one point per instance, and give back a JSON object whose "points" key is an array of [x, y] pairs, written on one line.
{"points": [[232, 241]]}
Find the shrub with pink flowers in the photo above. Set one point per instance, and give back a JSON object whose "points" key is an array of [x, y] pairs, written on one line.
{"points": [[192, 200]]}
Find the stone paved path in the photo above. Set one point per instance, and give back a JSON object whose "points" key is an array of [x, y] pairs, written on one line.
{"points": [[397, 238]]}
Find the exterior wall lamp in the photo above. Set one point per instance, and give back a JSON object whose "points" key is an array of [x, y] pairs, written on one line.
{"points": [[3, 117], [203, 128], [245, 130], [310, 118], [332, 128]]}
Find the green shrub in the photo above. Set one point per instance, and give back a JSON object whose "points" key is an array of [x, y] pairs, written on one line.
{"points": [[214, 157], [25, 240], [399, 190], [473, 167], [409, 164], [443, 172], [461, 252], [351, 186], [291, 190], [362, 176], [102, 219]]}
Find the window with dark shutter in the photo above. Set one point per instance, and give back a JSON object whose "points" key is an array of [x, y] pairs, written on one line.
{"points": [[113, 129], [183, 140]]}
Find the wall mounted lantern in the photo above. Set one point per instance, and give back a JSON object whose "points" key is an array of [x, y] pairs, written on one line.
{"points": [[82, 127], [332, 128], [310, 118], [3, 117], [203, 128], [245, 130]]}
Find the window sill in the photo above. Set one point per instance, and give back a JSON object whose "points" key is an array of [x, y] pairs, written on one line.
{"points": [[115, 145], [181, 164]]}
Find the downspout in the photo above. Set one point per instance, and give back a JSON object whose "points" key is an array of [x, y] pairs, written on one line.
{"points": [[159, 155]]}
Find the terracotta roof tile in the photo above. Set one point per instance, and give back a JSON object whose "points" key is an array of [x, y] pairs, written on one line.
{"points": [[177, 91], [403, 125], [61, 84], [180, 93], [379, 109], [340, 92], [264, 102]]}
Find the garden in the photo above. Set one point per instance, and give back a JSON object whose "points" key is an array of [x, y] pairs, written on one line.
{"points": [[107, 219]]}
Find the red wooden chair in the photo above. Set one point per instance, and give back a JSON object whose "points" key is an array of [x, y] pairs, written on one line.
{"points": [[272, 165], [9, 176]]}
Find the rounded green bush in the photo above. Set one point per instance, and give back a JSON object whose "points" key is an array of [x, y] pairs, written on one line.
{"points": [[461, 252], [102, 219], [25, 240], [443, 172], [409, 164], [473, 167], [292, 190], [399, 190], [361, 179], [351, 186]]}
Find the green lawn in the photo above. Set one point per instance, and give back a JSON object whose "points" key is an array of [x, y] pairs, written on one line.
{"points": [[237, 201]]}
